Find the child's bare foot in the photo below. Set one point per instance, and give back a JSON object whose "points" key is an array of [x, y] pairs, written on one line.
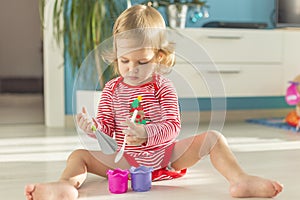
{"points": [[51, 191], [253, 186]]}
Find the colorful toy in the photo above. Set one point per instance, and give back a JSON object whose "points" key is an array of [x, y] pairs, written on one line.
{"points": [[135, 104], [293, 98], [141, 178], [117, 181], [292, 95], [107, 144]]}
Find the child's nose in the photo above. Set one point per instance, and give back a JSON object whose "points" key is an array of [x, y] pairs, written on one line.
{"points": [[133, 67]]}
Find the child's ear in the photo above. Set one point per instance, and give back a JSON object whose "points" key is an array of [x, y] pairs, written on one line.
{"points": [[160, 56]]}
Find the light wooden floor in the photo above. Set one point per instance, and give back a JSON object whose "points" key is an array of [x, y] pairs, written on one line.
{"points": [[16, 108], [30, 153], [33, 153]]}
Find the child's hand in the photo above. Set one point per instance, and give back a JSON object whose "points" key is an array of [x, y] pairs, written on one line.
{"points": [[135, 134], [84, 122]]}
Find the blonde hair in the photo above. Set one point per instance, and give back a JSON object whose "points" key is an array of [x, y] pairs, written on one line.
{"points": [[145, 25]]}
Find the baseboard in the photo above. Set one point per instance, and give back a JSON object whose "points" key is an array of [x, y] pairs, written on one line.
{"points": [[69, 121], [21, 85], [205, 116]]}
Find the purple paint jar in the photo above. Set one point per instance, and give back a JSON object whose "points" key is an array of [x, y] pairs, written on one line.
{"points": [[117, 181], [141, 178]]}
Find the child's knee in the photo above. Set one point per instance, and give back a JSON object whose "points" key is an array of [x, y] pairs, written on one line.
{"points": [[215, 135], [210, 139], [78, 154]]}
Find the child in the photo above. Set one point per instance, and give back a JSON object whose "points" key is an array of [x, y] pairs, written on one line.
{"points": [[151, 139]]}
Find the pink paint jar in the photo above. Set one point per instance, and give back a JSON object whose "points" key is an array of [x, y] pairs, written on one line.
{"points": [[117, 181]]}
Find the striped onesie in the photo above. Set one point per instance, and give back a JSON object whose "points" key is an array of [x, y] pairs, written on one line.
{"points": [[160, 113]]}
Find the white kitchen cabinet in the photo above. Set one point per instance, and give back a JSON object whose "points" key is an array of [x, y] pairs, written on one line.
{"points": [[248, 62], [291, 54]]}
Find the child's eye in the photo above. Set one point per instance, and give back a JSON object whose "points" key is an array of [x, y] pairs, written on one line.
{"points": [[124, 61], [144, 62]]}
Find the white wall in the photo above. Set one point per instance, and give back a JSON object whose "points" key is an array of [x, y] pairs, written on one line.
{"points": [[53, 74], [291, 51], [20, 39]]}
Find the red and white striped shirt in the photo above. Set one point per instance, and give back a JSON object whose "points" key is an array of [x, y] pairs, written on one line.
{"points": [[160, 105]]}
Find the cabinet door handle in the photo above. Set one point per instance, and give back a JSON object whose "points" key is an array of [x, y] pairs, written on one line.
{"points": [[226, 37], [224, 71]]}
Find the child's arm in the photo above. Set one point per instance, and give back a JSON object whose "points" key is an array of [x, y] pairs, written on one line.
{"points": [[135, 134], [84, 122], [105, 117], [169, 127]]}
